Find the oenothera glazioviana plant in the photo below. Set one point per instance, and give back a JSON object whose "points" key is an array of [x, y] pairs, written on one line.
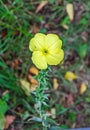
{"points": [[46, 51]]}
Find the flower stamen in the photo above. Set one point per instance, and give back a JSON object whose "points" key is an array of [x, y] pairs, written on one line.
{"points": [[45, 51]]}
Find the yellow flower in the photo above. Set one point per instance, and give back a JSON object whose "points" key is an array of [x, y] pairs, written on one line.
{"points": [[46, 50], [70, 76]]}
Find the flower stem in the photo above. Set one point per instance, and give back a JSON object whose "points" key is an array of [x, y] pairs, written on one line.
{"points": [[41, 97]]}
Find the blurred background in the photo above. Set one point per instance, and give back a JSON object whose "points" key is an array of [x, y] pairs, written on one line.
{"points": [[69, 82]]}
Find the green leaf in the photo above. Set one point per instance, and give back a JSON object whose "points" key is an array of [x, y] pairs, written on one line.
{"points": [[2, 121], [25, 115], [64, 126], [61, 109], [87, 99], [37, 119], [27, 105], [43, 30], [72, 116], [82, 50], [6, 97], [83, 21], [65, 21], [3, 107]]}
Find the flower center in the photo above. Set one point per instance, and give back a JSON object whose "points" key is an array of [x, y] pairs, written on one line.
{"points": [[45, 51]]}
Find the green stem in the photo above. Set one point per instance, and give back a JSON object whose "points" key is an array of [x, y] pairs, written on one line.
{"points": [[41, 97]]}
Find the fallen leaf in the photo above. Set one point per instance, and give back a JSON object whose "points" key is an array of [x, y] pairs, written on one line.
{"points": [[53, 113], [70, 100], [41, 5], [16, 63], [3, 33], [5, 92], [35, 28], [70, 76], [73, 125], [55, 84], [16, 33], [84, 36], [33, 87], [60, 2], [33, 70], [32, 80], [83, 88], [70, 11], [65, 26], [8, 120], [27, 87]]}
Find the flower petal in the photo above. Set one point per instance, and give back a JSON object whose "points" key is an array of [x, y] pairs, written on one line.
{"points": [[53, 40], [39, 60], [55, 49], [37, 42], [54, 59]]}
